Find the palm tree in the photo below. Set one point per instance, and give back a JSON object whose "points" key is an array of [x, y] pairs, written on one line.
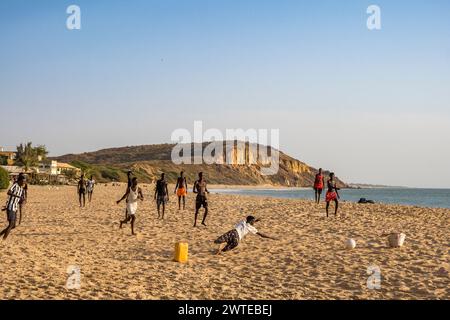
{"points": [[28, 156]]}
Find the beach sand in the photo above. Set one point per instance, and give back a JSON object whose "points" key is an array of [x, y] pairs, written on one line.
{"points": [[308, 261]]}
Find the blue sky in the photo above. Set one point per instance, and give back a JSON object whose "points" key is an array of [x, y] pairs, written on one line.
{"points": [[374, 106]]}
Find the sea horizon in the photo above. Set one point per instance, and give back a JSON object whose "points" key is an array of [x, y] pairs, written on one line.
{"points": [[421, 197]]}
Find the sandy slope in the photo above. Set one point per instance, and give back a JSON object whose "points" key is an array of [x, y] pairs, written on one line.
{"points": [[308, 262]]}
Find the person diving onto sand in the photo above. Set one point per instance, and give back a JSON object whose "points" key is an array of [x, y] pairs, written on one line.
{"points": [[231, 239], [81, 189], [319, 182], [15, 194], [200, 201], [332, 194], [181, 190], [133, 194], [161, 195]]}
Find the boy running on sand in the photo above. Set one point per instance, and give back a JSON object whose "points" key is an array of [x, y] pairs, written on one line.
{"points": [[201, 190], [81, 189], [133, 194], [181, 190], [15, 194], [23, 201], [332, 194], [231, 239], [161, 195]]}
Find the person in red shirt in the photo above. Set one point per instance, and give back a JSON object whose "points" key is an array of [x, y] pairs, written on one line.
{"points": [[318, 185], [332, 194]]}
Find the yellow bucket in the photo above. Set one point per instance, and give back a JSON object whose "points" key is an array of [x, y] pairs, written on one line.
{"points": [[181, 252]]}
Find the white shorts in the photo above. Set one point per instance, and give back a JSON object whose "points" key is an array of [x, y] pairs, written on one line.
{"points": [[132, 208]]}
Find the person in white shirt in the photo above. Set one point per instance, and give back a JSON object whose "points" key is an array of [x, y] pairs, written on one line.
{"points": [[231, 239], [90, 188], [133, 194]]}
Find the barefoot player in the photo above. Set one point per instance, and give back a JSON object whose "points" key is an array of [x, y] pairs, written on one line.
{"points": [[81, 188], [133, 194], [231, 239], [15, 194], [181, 190], [161, 195], [319, 182], [332, 194], [201, 190]]}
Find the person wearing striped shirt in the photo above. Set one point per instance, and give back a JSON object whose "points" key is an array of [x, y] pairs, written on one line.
{"points": [[15, 194]]}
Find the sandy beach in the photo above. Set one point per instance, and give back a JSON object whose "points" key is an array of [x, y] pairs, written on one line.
{"points": [[308, 261]]}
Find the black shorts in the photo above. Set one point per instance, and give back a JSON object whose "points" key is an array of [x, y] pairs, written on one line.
{"points": [[231, 238], [201, 201], [82, 191], [161, 200], [12, 215]]}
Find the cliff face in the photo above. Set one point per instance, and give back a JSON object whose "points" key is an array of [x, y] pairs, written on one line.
{"points": [[229, 163]]}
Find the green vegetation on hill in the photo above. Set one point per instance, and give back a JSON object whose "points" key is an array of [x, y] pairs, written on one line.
{"points": [[106, 173]]}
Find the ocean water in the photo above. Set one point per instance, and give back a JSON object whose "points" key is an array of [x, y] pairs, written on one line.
{"points": [[439, 198]]}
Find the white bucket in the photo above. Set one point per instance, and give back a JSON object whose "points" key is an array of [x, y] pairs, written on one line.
{"points": [[396, 240]]}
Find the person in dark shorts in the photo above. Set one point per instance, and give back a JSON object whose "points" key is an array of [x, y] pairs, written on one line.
{"points": [[332, 194], [23, 201], [161, 195], [319, 182], [231, 239], [201, 190], [15, 194], [81, 189], [181, 190]]}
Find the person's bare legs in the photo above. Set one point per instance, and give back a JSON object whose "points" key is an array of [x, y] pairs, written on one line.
{"points": [[328, 205], [336, 206], [79, 198], [163, 209], [204, 216], [7, 230], [20, 213], [179, 203], [196, 215], [133, 218], [184, 202], [319, 193], [315, 196], [127, 218], [221, 246], [158, 205]]}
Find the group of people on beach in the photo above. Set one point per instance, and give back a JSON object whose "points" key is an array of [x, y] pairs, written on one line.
{"points": [[17, 198], [133, 194], [85, 186], [161, 196], [332, 190]]}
